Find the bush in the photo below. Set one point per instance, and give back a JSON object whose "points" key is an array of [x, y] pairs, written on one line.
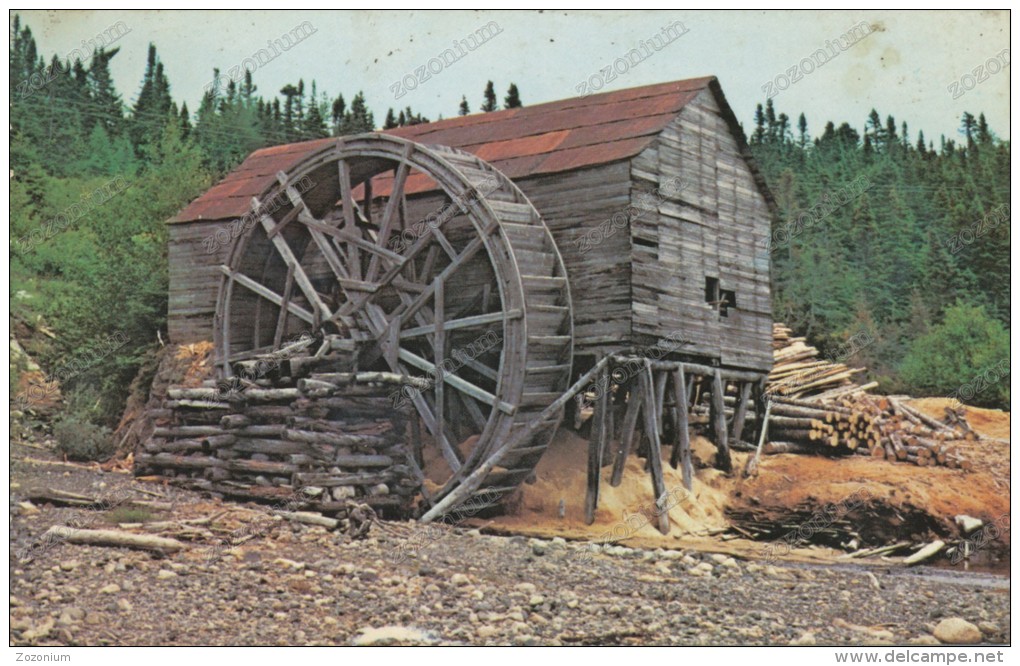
{"points": [[80, 439], [966, 356]]}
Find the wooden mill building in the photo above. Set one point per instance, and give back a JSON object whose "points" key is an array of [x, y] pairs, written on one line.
{"points": [[650, 193], [572, 236]]}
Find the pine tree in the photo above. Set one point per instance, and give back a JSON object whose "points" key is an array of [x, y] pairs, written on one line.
{"points": [[359, 119], [490, 98], [105, 99], [391, 119], [513, 98], [464, 108], [336, 115]]}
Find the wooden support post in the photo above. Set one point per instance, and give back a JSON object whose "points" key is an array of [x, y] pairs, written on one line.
{"points": [[740, 413], [630, 419], [718, 418], [651, 411], [660, 398], [752, 464], [760, 400], [596, 443], [682, 450]]}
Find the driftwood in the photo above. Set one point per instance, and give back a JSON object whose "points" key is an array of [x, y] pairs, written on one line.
{"points": [[114, 538]]}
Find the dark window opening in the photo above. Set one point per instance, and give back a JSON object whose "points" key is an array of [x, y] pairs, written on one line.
{"points": [[712, 291], [646, 243], [728, 300], [720, 299]]}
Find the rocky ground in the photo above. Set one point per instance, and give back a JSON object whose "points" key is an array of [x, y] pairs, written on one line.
{"points": [[251, 578]]}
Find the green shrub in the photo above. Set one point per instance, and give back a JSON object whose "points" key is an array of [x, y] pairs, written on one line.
{"points": [[80, 439], [966, 356]]}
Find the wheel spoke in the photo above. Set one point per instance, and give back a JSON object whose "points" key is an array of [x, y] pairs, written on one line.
{"points": [[395, 202], [465, 322], [290, 259], [268, 294], [281, 322], [456, 382], [347, 202]]}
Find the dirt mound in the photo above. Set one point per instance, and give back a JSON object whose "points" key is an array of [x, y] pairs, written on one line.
{"points": [[554, 504], [901, 501]]}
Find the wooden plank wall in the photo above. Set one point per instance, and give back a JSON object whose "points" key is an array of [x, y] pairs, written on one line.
{"points": [[712, 222], [195, 278], [576, 205]]}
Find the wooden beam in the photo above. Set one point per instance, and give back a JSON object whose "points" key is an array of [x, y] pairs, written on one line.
{"points": [[267, 293], [740, 413], [682, 450], [291, 260], [281, 321], [718, 418], [630, 419], [464, 322], [350, 222], [651, 411], [456, 382], [393, 205], [596, 446]]}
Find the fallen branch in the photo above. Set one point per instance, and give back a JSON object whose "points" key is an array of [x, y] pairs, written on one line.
{"points": [[114, 539]]}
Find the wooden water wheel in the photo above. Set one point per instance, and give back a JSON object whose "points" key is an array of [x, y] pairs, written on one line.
{"points": [[433, 265]]}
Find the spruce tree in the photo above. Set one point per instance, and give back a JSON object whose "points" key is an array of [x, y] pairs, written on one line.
{"points": [[513, 98], [490, 98]]}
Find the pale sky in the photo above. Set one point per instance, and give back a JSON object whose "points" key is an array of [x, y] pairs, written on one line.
{"points": [[903, 68]]}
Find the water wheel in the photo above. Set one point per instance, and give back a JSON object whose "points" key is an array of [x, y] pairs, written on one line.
{"points": [[434, 265]]}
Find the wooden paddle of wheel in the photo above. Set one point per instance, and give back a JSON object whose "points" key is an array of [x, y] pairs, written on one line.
{"points": [[461, 285]]}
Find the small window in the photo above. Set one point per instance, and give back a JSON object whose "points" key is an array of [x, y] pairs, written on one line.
{"points": [[712, 291], [719, 299], [728, 300]]}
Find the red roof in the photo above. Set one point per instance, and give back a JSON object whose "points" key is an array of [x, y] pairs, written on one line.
{"points": [[528, 141]]}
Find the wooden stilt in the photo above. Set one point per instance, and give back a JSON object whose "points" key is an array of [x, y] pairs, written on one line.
{"points": [[596, 443], [630, 419], [682, 451], [759, 407], [651, 411], [740, 413], [718, 418], [605, 402], [660, 399]]}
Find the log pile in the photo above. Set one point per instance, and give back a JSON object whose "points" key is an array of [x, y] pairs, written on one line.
{"points": [[797, 372], [908, 435], [326, 440], [818, 408]]}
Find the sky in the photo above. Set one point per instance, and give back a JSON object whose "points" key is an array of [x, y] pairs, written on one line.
{"points": [[917, 66]]}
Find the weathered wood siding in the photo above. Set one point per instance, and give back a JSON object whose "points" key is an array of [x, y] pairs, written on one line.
{"points": [[708, 220], [578, 207], [195, 277]]}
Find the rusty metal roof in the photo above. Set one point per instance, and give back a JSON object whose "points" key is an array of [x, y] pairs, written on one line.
{"points": [[528, 141]]}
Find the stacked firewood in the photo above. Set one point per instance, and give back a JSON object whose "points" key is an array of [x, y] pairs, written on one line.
{"points": [[802, 426], [325, 440], [798, 372], [817, 407]]}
